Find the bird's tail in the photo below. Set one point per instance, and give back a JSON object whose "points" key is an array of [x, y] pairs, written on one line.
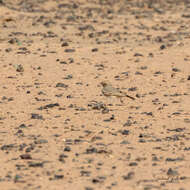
{"points": [[129, 97]]}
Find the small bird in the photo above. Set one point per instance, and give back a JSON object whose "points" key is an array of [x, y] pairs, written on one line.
{"points": [[109, 90], [19, 67]]}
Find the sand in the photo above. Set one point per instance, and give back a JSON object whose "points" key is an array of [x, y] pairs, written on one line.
{"points": [[57, 130]]}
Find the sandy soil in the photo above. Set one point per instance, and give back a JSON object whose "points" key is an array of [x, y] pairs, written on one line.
{"points": [[58, 131]]}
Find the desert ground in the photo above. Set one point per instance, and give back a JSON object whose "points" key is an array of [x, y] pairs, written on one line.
{"points": [[58, 131]]}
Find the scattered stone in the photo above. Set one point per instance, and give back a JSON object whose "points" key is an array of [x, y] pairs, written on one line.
{"points": [[129, 176], [49, 106], [172, 173], [36, 164], [36, 116], [62, 85], [69, 50], [26, 156]]}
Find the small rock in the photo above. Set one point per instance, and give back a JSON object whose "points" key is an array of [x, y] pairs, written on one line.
{"points": [[25, 156]]}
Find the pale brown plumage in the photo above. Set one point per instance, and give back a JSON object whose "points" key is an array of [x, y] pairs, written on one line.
{"points": [[109, 90]]}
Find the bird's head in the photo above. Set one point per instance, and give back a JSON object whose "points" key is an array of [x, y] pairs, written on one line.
{"points": [[104, 83]]}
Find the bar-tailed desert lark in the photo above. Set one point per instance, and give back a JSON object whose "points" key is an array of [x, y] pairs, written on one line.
{"points": [[109, 90]]}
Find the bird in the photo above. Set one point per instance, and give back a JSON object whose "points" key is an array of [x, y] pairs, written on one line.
{"points": [[109, 90]]}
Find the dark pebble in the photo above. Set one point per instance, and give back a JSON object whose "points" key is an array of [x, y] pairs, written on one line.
{"points": [[94, 49], [162, 47], [129, 176], [125, 132], [67, 149], [36, 164], [62, 85], [36, 116], [69, 50], [25, 156], [133, 164]]}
